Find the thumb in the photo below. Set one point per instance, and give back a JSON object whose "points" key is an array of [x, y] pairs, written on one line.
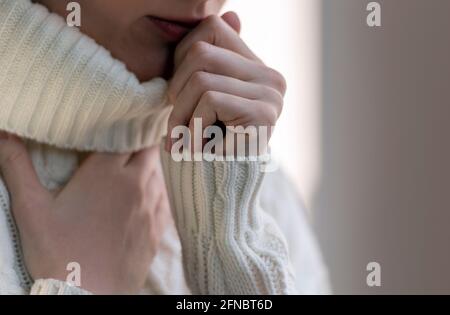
{"points": [[232, 19], [18, 172]]}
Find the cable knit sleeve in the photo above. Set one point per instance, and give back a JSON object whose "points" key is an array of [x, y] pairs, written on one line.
{"points": [[230, 246], [55, 287]]}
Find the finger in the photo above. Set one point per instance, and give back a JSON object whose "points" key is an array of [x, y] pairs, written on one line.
{"points": [[233, 111], [205, 114], [216, 106], [215, 31], [232, 19], [208, 58], [20, 176], [201, 82]]}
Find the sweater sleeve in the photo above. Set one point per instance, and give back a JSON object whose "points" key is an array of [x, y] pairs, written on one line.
{"points": [[229, 244], [55, 287]]}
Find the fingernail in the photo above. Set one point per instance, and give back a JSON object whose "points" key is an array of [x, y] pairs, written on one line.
{"points": [[3, 136]]}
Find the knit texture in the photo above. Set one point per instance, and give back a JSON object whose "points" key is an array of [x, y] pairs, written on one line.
{"points": [[230, 245], [58, 87]]}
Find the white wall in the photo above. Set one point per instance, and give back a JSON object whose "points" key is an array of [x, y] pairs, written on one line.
{"points": [[384, 194], [286, 35]]}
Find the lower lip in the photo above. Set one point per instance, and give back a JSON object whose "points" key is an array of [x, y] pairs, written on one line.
{"points": [[174, 32]]}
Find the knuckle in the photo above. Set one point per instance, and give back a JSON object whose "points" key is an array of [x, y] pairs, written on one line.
{"points": [[209, 98], [274, 96], [273, 116], [269, 115], [278, 80], [200, 80], [199, 51]]}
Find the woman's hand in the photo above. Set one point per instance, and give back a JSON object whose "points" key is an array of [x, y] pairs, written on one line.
{"points": [[109, 218], [218, 78]]}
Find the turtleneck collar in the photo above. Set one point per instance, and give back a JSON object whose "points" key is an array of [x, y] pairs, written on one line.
{"points": [[59, 87]]}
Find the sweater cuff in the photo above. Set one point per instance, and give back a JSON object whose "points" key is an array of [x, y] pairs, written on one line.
{"points": [[56, 287], [230, 246], [223, 193]]}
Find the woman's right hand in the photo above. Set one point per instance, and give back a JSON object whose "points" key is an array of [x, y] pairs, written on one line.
{"points": [[109, 218]]}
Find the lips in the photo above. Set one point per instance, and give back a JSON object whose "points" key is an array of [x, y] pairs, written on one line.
{"points": [[173, 30]]}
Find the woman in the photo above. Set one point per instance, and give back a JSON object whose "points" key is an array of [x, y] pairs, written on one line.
{"points": [[109, 213]]}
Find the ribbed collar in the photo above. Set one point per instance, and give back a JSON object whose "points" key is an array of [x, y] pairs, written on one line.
{"points": [[59, 87]]}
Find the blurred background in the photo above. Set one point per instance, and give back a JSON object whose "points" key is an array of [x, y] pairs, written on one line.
{"points": [[365, 132]]}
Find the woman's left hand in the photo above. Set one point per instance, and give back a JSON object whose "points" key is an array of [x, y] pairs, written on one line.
{"points": [[218, 78], [109, 218]]}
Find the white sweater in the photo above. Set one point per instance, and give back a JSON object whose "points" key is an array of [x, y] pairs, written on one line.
{"points": [[62, 90]]}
